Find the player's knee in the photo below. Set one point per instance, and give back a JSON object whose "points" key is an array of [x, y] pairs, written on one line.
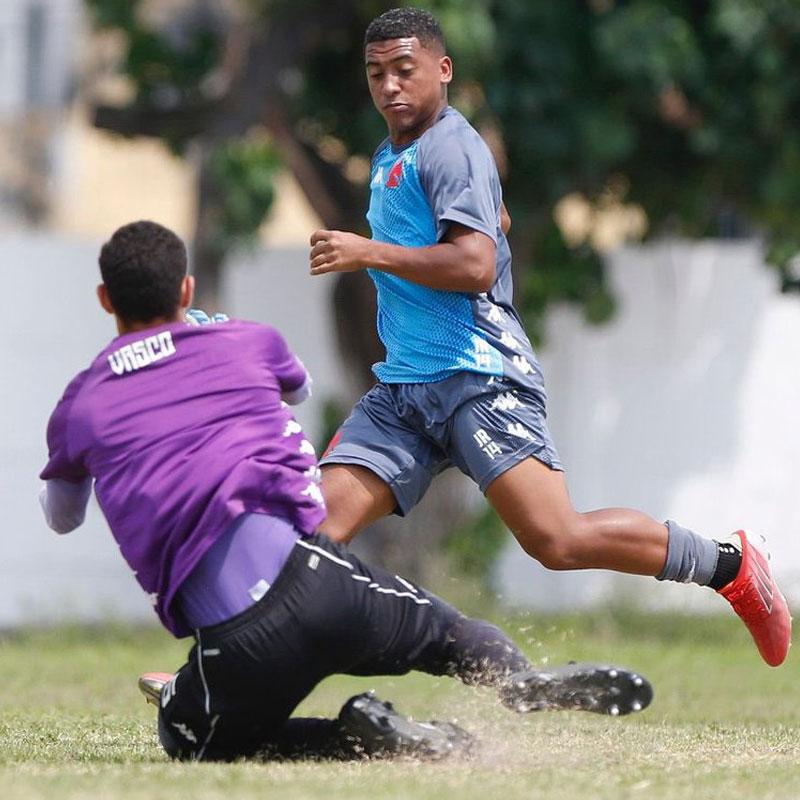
{"points": [[556, 548], [337, 534], [172, 747]]}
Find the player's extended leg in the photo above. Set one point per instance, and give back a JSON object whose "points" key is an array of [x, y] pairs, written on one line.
{"points": [[532, 500], [410, 628], [365, 726], [477, 652]]}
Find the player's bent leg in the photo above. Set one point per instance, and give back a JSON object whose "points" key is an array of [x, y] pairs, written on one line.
{"points": [[374, 727], [533, 501], [365, 727], [355, 498]]}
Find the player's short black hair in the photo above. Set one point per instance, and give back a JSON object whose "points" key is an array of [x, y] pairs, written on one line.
{"points": [[143, 266], [401, 23]]}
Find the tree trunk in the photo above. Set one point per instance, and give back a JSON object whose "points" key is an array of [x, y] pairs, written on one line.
{"points": [[208, 256]]}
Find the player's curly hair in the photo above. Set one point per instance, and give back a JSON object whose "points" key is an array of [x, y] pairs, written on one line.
{"points": [[143, 266], [400, 23]]}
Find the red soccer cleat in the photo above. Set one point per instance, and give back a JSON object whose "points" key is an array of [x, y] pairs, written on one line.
{"points": [[756, 598]]}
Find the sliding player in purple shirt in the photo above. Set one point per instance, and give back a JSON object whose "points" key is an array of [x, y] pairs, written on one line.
{"points": [[212, 492]]}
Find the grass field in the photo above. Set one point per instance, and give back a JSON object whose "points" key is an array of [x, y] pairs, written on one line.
{"points": [[722, 725]]}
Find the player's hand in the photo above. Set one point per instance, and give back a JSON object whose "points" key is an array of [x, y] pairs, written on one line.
{"points": [[338, 251], [196, 316]]}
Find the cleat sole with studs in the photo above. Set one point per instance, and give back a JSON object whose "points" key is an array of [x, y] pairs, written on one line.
{"points": [[598, 688]]}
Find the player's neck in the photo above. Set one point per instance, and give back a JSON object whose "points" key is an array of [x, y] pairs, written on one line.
{"points": [[405, 138], [133, 326]]}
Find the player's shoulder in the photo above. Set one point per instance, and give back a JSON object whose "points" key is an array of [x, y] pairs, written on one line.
{"points": [[452, 143], [256, 328], [230, 328], [452, 128], [75, 386], [63, 409], [263, 336]]}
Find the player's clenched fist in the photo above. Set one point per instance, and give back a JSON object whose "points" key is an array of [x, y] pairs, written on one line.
{"points": [[338, 251]]}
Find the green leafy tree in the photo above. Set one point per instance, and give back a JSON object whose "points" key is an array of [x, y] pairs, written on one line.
{"points": [[692, 108]]}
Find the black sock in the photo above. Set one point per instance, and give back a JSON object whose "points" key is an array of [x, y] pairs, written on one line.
{"points": [[728, 562]]}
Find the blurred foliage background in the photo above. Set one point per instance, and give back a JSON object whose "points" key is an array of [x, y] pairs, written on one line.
{"points": [[609, 120], [678, 116]]}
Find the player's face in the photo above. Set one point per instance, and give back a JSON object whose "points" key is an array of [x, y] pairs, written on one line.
{"points": [[408, 85]]}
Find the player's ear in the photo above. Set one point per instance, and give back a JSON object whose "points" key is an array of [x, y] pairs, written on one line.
{"points": [[187, 293], [445, 69], [105, 300]]}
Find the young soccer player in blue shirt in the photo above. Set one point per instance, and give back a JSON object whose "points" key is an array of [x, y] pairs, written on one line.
{"points": [[460, 384]]}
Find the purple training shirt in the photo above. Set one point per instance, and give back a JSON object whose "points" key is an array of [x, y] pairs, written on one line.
{"points": [[184, 430]]}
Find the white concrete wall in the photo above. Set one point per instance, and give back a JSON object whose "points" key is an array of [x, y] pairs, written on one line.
{"points": [[686, 407], [61, 20]]}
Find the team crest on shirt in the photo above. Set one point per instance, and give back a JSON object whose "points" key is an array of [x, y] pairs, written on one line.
{"points": [[395, 175]]}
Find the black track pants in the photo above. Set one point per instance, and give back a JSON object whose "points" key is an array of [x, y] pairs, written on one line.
{"points": [[326, 613]]}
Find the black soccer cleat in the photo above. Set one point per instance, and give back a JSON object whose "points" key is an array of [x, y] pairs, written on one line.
{"points": [[376, 729], [601, 688]]}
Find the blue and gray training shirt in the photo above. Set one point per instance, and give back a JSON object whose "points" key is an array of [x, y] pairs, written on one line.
{"points": [[446, 176]]}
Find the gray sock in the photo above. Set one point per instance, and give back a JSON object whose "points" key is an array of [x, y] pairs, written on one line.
{"points": [[690, 558]]}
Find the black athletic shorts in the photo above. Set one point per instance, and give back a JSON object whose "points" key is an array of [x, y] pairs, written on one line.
{"points": [[326, 613]]}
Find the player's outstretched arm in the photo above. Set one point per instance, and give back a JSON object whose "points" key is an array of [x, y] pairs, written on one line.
{"points": [[464, 261], [505, 219]]}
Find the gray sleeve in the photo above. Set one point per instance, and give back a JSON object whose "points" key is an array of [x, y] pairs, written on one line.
{"points": [[460, 178], [293, 397], [64, 503]]}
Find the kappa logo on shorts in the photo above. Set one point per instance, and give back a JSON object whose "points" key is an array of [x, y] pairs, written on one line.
{"points": [[522, 364], [519, 430], [505, 402], [496, 315]]}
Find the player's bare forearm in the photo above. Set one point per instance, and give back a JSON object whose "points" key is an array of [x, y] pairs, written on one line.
{"points": [[505, 219], [464, 262]]}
